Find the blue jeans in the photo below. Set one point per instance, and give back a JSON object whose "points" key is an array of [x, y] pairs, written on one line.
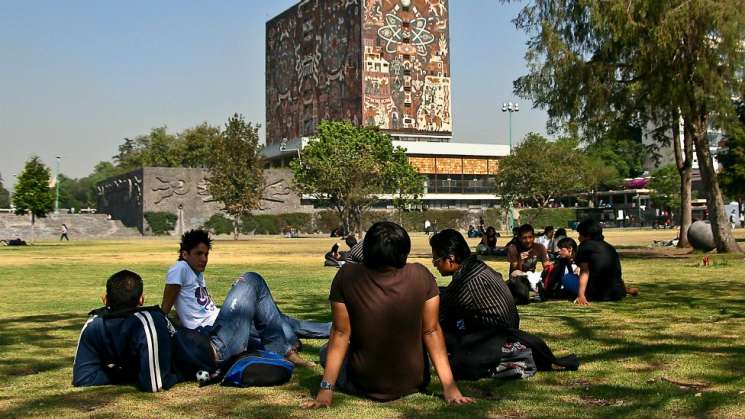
{"points": [[249, 318], [571, 283]]}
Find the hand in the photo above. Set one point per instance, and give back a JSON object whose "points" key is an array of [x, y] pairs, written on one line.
{"points": [[453, 396], [524, 255], [323, 400], [581, 301]]}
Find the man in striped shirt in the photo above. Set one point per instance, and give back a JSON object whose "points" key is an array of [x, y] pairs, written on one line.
{"points": [[477, 298]]}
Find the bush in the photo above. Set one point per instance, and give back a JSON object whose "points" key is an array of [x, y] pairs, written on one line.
{"points": [[302, 222], [260, 224], [219, 224], [327, 221], [161, 222], [541, 217]]}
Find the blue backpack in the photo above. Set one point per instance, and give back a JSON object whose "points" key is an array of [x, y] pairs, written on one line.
{"points": [[258, 369]]}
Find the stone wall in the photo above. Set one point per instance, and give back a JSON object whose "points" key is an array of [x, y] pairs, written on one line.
{"points": [[81, 226], [183, 191]]}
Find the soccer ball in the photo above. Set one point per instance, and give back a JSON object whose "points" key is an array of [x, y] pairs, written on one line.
{"points": [[203, 376]]}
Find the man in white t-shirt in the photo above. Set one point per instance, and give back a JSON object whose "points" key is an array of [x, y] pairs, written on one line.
{"points": [[249, 317]]}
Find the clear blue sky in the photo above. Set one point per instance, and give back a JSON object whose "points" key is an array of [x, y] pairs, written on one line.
{"points": [[78, 76]]}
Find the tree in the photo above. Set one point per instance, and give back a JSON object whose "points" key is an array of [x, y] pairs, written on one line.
{"points": [[597, 175], [624, 153], [193, 146], [32, 193], [666, 186], [4, 195], [539, 170], [595, 61], [408, 182], [236, 177], [348, 167], [732, 159]]}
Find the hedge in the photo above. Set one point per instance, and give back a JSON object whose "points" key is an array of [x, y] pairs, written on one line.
{"points": [[161, 223], [326, 221], [541, 217]]}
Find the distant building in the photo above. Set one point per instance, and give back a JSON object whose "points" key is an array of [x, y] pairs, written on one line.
{"points": [[383, 63]]}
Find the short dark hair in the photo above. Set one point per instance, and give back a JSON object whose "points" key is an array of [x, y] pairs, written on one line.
{"points": [[386, 244], [525, 228], [123, 290], [567, 243], [591, 229], [192, 239], [547, 229], [561, 232], [350, 241], [449, 242]]}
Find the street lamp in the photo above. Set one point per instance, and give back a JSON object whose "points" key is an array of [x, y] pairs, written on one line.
{"points": [[511, 108], [56, 184]]}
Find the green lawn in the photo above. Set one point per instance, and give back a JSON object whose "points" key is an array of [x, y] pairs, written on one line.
{"points": [[687, 326]]}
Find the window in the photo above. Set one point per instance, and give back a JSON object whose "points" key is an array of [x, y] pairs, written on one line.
{"points": [[407, 57]]}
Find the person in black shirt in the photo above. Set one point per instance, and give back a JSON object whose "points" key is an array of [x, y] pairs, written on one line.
{"points": [[600, 277], [478, 297]]}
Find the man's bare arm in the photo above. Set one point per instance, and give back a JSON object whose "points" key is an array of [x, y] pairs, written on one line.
{"points": [[170, 293]]}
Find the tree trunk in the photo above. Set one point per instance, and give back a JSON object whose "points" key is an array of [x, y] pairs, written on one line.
{"points": [[684, 163], [720, 226], [33, 221], [236, 230]]}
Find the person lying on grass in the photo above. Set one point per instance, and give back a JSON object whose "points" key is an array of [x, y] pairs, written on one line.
{"points": [[600, 277], [266, 327], [125, 342], [385, 312]]}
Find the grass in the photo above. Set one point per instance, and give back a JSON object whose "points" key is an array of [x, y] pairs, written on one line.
{"points": [[687, 326]]}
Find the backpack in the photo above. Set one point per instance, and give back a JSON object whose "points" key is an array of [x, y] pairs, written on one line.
{"points": [[258, 369], [520, 288]]}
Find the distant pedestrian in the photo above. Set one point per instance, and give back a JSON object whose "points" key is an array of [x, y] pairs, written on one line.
{"points": [[64, 233], [427, 226]]}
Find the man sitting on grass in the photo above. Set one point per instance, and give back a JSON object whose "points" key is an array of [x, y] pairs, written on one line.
{"points": [[187, 291], [600, 268], [125, 342]]}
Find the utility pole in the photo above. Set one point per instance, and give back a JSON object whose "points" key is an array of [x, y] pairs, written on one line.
{"points": [[510, 108]]}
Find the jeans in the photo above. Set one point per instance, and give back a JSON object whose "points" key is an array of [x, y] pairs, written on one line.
{"points": [[249, 318], [571, 283]]}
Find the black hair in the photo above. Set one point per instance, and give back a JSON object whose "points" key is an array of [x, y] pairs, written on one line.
{"points": [[515, 231], [590, 229], [123, 290], [449, 242], [525, 228], [561, 232], [567, 243], [386, 245], [490, 238], [547, 229], [350, 241], [192, 239]]}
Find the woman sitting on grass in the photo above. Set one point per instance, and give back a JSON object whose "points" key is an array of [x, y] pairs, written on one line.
{"points": [[385, 312]]}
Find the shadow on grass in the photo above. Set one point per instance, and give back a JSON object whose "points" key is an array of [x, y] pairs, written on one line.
{"points": [[34, 334]]}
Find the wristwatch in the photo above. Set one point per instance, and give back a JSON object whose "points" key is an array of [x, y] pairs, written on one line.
{"points": [[325, 385]]}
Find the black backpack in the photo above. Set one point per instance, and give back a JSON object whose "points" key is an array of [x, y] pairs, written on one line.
{"points": [[520, 288]]}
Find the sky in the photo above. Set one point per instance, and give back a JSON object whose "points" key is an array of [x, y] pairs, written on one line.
{"points": [[76, 77]]}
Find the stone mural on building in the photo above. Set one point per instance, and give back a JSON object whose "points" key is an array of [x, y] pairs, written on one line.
{"points": [[184, 192], [374, 62]]}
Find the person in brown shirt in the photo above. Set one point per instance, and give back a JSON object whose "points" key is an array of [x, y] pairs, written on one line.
{"points": [[525, 254], [385, 313]]}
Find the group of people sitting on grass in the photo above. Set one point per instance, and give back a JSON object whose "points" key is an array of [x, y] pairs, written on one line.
{"points": [[390, 321]]}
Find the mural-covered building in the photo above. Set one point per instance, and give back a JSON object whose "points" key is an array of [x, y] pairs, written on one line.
{"points": [[383, 63], [374, 62]]}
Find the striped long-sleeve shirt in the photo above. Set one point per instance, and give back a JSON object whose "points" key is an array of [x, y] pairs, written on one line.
{"points": [[479, 297]]}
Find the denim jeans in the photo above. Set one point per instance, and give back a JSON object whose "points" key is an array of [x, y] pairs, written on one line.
{"points": [[249, 318]]}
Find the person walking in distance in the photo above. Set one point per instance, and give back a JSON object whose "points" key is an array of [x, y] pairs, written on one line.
{"points": [[64, 233]]}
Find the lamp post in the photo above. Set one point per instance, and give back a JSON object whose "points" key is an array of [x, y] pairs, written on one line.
{"points": [[510, 108], [56, 184]]}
